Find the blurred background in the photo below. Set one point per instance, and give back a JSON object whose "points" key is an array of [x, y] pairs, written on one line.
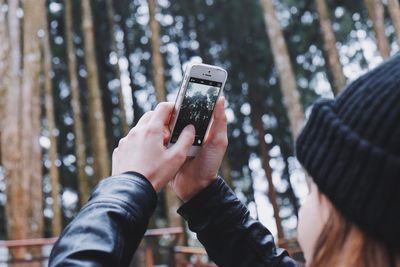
{"points": [[76, 75]]}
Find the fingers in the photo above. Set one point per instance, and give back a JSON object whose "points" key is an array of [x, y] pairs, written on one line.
{"points": [[219, 110], [218, 130], [166, 135], [180, 149], [162, 114], [145, 118]]}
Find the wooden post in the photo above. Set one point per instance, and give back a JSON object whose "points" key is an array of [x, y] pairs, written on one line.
{"points": [[149, 257]]}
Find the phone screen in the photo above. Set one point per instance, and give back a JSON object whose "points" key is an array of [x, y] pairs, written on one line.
{"points": [[197, 107]]}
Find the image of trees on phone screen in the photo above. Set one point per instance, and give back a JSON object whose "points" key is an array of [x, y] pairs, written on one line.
{"points": [[197, 107]]}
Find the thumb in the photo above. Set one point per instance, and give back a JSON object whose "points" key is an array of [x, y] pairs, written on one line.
{"points": [[185, 141], [218, 129]]}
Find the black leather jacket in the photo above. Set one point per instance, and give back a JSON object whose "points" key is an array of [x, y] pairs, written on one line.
{"points": [[108, 229]]}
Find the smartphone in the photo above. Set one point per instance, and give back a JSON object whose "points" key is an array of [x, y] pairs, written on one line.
{"points": [[201, 86]]}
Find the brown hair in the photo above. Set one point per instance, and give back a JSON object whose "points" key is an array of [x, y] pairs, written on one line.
{"points": [[342, 243]]}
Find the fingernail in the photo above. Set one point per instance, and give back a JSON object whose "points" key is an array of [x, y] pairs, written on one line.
{"points": [[191, 128], [223, 100]]}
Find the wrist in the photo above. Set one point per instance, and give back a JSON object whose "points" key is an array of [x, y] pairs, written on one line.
{"points": [[151, 177], [202, 184], [154, 184]]}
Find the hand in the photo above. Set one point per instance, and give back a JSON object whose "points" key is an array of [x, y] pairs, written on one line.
{"points": [[197, 173], [143, 149]]}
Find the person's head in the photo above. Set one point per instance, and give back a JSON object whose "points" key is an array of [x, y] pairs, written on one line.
{"points": [[329, 239], [350, 147]]}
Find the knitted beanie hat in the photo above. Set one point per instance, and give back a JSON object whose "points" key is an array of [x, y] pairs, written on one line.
{"points": [[351, 148]]}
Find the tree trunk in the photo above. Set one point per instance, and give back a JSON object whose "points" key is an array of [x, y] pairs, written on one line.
{"points": [[394, 11], [284, 67], [256, 117], [56, 224], [157, 60], [16, 191], [225, 168], [137, 109], [101, 158], [125, 12], [105, 70], [4, 58], [330, 47], [172, 201], [114, 48], [376, 13], [80, 148], [139, 259], [31, 159], [287, 78]]}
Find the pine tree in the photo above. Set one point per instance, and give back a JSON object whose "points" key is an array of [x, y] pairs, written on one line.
{"points": [[172, 201], [118, 52], [265, 159], [31, 156], [101, 158], [4, 54], [192, 7], [16, 189], [80, 147], [287, 79], [56, 224], [284, 67], [124, 8], [394, 11], [332, 53], [376, 13], [157, 60]]}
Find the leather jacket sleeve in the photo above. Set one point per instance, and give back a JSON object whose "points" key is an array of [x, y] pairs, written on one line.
{"points": [[108, 229], [231, 237]]}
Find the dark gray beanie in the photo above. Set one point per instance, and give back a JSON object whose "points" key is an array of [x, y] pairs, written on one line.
{"points": [[351, 148]]}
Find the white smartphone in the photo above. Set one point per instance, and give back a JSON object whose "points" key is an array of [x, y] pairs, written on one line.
{"points": [[195, 102]]}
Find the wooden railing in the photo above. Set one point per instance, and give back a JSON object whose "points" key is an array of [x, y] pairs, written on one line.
{"points": [[37, 242], [41, 242], [291, 246]]}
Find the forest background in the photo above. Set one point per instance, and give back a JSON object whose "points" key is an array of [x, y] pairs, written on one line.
{"points": [[75, 76]]}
